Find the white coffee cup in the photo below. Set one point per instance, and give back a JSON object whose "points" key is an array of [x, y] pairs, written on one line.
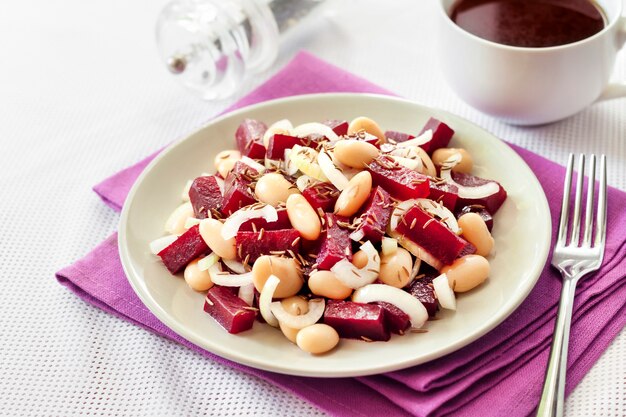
{"points": [[532, 86]]}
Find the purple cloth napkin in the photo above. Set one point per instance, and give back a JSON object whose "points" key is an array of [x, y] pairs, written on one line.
{"points": [[499, 374]]}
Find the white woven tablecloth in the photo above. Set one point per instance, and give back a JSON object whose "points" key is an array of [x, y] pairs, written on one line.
{"points": [[82, 95]]}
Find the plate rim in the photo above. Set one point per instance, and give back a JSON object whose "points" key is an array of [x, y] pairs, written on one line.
{"points": [[164, 317]]}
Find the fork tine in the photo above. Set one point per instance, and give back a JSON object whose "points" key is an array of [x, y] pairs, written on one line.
{"points": [[565, 204], [588, 210], [577, 202], [601, 216]]}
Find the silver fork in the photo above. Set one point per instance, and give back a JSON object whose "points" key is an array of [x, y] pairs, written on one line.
{"points": [[574, 259]]}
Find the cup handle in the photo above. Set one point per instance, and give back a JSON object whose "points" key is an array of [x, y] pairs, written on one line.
{"points": [[616, 90]]}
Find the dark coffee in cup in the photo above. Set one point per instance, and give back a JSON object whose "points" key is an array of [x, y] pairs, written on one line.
{"points": [[530, 23]]}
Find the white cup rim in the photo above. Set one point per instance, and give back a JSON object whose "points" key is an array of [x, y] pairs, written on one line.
{"points": [[612, 22]]}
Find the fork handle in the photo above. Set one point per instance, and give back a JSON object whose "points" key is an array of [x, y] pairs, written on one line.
{"points": [[552, 397]]}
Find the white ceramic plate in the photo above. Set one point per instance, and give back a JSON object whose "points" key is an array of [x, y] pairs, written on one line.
{"points": [[522, 234]]}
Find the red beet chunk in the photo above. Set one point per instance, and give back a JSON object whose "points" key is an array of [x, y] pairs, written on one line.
{"points": [[481, 211], [230, 311], [279, 143], [204, 195], [401, 182], [375, 216], [432, 236], [357, 321], [398, 136], [446, 194], [256, 150], [183, 250], [340, 127], [396, 320], [237, 194], [424, 292], [251, 245], [336, 244], [492, 202], [321, 195], [249, 137], [243, 171], [441, 135], [260, 223]]}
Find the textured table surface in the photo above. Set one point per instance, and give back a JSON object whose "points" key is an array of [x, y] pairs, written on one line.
{"points": [[82, 95]]}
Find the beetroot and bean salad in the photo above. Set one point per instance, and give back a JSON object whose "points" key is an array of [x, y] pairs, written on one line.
{"points": [[333, 230]]}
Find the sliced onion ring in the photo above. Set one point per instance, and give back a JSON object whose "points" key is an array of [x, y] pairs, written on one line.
{"points": [[315, 128], [420, 140], [478, 192], [208, 261], [304, 181], [157, 245], [412, 164], [334, 174], [444, 293], [232, 224], [228, 280], [389, 245], [316, 311], [353, 277], [246, 293], [403, 300], [265, 300], [235, 266], [253, 164]]}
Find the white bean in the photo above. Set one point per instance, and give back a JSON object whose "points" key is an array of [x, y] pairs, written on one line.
{"points": [[318, 338], [303, 217], [286, 269], [326, 284], [197, 279], [465, 165], [395, 269], [274, 189], [211, 232], [354, 195], [466, 272], [475, 231]]}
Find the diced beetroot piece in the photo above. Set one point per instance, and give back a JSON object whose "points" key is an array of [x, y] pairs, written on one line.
{"points": [[401, 182], [279, 143], [422, 289], [491, 202], [256, 150], [481, 211], [205, 195], [340, 127], [441, 135], [249, 132], [183, 250], [251, 245], [396, 320], [321, 195], [336, 244], [373, 221], [242, 171], [236, 196], [260, 223], [357, 321], [446, 194], [435, 238], [398, 136], [230, 311]]}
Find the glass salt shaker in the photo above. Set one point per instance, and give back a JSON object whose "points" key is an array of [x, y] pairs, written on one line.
{"points": [[211, 46]]}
